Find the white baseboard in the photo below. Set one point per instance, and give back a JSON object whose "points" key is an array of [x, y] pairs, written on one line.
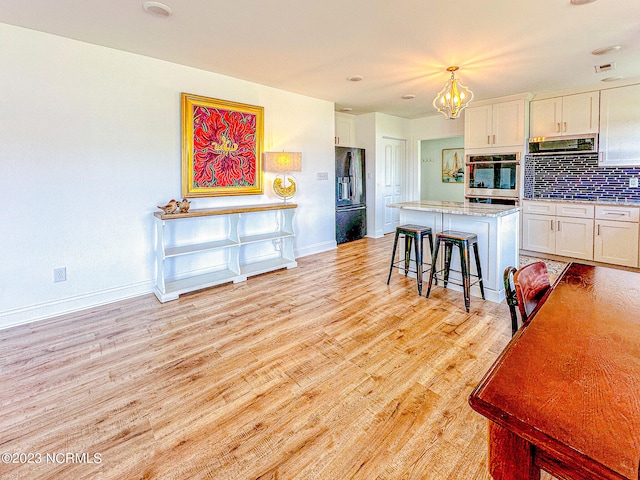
{"points": [[317, 248], [42, 311]]}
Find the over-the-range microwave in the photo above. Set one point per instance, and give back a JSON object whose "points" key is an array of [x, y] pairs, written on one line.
{"points": [[563, 145]]}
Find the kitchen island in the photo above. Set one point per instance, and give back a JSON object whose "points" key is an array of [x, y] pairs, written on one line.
{"points": [[497, 227]]}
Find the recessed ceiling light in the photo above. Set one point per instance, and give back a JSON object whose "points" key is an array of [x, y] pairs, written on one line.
{"points": [[612, 79], [355, 78], [603, 50], [157, 8], [346, 109], [408, 97], [581, 2]]}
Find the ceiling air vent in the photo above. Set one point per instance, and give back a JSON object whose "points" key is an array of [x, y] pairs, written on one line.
{"points": [[607, 67]]}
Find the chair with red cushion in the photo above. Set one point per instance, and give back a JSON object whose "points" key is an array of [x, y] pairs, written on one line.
{"points": [[525, 288]]}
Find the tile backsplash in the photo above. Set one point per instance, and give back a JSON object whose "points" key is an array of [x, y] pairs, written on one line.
{"points": [[578, 177]]}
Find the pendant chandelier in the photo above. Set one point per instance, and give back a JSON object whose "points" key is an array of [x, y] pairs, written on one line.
{"points": [[453, 98]]}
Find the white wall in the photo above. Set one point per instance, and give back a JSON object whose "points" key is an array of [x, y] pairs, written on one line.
{"points": [[429, 128], [90, 144]]}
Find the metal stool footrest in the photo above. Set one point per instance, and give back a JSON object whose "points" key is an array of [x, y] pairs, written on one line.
{"points": [[465, 242], [439, 275], [415, 234]]}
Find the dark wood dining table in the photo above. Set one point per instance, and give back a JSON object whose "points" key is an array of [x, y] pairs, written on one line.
{"points": [[564, 395]]}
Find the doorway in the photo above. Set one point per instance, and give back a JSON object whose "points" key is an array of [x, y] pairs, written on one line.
{"points": [[432, 186], [395, 170]]}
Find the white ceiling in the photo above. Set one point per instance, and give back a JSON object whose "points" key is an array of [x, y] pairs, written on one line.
{"points": [[400, 47]]}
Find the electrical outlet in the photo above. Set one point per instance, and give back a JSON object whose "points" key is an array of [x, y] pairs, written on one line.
{"points": [[633, 182], [60, 274]]}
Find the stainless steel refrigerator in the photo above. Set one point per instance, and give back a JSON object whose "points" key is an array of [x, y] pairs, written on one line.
{"points": [[351, 210]]}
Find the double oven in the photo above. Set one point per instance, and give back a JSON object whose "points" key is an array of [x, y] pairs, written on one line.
{"points": [[493, 178]]}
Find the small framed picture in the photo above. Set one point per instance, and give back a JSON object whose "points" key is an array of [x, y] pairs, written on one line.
{"points": [[453, 165]]}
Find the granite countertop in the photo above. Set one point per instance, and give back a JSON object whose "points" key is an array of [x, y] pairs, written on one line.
{"points": [[459, 208], [622, 203]]}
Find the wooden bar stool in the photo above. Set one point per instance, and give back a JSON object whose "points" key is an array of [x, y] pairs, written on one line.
{"points": [[415, 233], [463, 241]]}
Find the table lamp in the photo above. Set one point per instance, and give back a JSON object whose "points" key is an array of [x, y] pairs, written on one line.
{"points": [[283, 163]]}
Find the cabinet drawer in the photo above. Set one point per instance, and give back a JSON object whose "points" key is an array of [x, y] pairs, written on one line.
{"points": [[539, 208], [575, 210], [621, 214]]}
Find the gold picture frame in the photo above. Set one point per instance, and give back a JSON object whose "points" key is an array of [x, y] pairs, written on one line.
{"points": [[453, 165], [222, 144]]}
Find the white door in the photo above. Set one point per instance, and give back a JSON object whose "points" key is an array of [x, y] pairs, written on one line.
{"points": [[394, 171]]}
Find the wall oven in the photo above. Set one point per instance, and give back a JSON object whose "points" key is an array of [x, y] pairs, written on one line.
{"points": [[493, 178]]}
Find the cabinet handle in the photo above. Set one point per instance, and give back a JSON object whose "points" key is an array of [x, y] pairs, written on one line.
{"points": [[558, 225], [551, 225], [598, 234], [494, 139], [488, 139], [564, 125], [558, 127]]}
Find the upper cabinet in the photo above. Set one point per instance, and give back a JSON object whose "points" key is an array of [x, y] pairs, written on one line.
{"points": [[345, 130], [569, 115], [500, 124], [620, 126]]}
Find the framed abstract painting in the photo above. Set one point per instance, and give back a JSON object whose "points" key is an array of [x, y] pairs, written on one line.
{"points": [[222, 145]]}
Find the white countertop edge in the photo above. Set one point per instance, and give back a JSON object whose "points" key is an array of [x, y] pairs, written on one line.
{"points": [[622, 203], [458, 208]]}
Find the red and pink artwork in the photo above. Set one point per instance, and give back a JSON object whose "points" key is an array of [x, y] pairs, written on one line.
{"points": [[222, 147]]}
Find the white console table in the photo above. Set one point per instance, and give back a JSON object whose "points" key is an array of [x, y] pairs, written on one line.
{"points": [[207, 247]]}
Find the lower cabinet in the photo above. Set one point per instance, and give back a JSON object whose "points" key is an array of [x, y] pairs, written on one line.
{"points": [[574, 237], [538, 234], [604, 233], [616, 235], [560, 229]]}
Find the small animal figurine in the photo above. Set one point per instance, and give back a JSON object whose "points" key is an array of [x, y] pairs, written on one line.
{"points": [[171, 207], [184, 205]]}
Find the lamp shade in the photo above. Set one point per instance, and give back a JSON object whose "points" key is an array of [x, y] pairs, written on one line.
{"points": [[282, 162]]}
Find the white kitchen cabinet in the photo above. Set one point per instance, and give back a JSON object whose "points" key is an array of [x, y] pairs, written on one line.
{"points": [[620, 126], [616, 235], [558, 228], [207, 247], [344, 130], [499, 124], [562, 116], [538, 233], [574, 237]]}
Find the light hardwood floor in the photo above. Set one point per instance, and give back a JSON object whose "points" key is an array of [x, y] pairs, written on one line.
{"points": [[319, 372]]}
